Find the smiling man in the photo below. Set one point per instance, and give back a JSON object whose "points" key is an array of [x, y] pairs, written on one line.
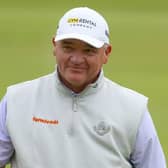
{"points": [[75, 117], [79, 63]]}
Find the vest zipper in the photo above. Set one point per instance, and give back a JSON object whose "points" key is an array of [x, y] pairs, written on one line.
{"points": [[75, 103], [74, 110]]}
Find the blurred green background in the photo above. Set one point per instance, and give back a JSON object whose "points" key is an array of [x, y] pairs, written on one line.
{"points": [[139, 34]]}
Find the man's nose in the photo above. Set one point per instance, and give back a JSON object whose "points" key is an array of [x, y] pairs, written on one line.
{"points": [[77, 58]]}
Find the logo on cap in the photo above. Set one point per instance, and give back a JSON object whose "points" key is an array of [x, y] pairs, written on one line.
{"points": [[82, 22]]}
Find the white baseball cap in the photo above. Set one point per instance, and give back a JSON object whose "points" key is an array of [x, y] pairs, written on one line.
{"points": [[84, 24]]}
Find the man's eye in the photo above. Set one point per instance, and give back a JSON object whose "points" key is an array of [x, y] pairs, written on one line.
{"points": [[90, 51], [67, 48]]}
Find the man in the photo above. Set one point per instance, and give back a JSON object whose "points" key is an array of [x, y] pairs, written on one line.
{"points": [[76, 117]]}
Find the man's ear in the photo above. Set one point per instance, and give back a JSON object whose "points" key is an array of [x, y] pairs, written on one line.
{"points": [[54, 46], [53, 41], [107, 52]]}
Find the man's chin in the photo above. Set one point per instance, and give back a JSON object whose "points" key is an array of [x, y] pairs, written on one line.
{"points": [[76, 82], [76, 77]]}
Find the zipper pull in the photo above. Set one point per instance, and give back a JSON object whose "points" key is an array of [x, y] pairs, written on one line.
{"points": [[75, 103]]}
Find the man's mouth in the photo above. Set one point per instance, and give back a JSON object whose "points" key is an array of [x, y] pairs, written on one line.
{"points": [[77, 69]]}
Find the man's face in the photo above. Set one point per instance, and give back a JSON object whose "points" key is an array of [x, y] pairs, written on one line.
{"points": [[79, 63]]}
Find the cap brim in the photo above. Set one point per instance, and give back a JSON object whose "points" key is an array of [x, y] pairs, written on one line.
{"points": [[87, 39]]}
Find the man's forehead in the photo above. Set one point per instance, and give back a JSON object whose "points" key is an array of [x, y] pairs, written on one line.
{"points": [[75, 41]]}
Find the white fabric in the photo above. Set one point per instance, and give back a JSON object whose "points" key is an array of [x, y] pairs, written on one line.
{"points": [[84, 24], [95, 128]]}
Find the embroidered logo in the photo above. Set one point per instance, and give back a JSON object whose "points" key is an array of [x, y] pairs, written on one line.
{"points": [[102, 128], [81, 22], [45, 121]]}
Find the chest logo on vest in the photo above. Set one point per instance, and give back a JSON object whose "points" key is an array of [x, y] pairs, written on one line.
{"points": [[45, 121], [102, 128]]}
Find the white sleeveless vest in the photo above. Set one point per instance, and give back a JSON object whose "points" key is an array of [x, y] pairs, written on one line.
{"points": [[51, 127]]}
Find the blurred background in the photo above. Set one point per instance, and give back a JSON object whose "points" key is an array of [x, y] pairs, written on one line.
{"points": [[139, 34]]}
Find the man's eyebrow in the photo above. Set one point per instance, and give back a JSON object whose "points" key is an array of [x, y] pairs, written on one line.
{"points": [[66, 42], [90, 46]]}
